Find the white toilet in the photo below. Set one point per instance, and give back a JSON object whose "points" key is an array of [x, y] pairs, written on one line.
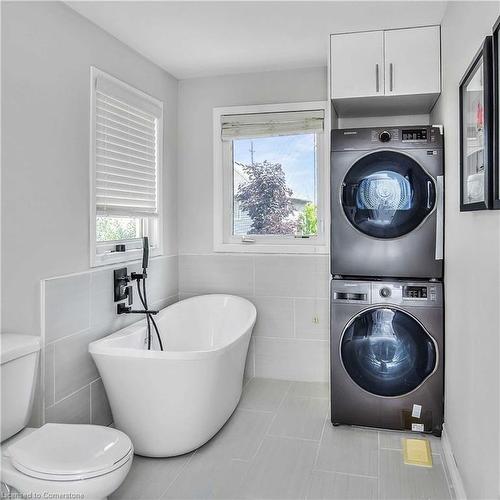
{"points": [[77, 461]]}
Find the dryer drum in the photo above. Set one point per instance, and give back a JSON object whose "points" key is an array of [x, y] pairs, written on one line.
{"points": [[385, 191], [387, 352], [387, 194]]}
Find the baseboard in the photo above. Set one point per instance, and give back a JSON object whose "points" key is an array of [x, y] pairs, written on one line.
{"points": [[451, 466]]}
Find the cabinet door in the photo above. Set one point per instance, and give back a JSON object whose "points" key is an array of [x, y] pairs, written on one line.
{"points": [[357, 64], [413, 61]]}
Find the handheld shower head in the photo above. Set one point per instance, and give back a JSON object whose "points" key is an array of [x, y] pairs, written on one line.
{"points": [[145, 254]]}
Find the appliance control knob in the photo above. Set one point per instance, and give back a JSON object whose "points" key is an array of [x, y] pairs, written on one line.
{"points": [[385, 292], [384, 136]]}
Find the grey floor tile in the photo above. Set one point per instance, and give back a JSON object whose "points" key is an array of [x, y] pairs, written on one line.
{"points": [[310, 389], [241, 437], [205, 478], [281, 469], [348, 449], [331, 485], [264, 394], [400, 482], [149, 478], [391, 440], [245, 460], [300, 417]]}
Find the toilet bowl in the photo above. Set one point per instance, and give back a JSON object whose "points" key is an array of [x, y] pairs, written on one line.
{"points": [[81, 462], [67, 461]]}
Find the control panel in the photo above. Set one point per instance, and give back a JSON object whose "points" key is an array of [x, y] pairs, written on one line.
{"points": [[417, 135], [415, 292], [411, 137], [414, 135], [408, 294]]}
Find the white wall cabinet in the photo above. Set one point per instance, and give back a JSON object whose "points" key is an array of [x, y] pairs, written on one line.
{"points": [[412, 61], [359, 64], [389, 72]]}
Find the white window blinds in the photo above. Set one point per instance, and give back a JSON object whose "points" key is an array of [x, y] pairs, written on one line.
{"points": [[127, 143], [248, 126]]}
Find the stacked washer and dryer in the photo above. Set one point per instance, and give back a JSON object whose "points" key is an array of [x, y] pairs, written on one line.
{"points": [[387, 328]]}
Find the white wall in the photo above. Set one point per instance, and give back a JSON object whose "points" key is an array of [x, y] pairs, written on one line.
{"points": [[47, 50], [472, 277], [287, 290], [197, 98]]}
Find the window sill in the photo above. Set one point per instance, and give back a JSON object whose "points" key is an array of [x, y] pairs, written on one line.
{"points": [[304, 249], [134, 254]]}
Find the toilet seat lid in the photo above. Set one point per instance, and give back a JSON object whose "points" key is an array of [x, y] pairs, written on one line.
{"points": [[69, 452]]}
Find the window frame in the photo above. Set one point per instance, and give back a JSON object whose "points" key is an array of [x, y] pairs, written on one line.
{"points": [[224, 240], [101, 253]]}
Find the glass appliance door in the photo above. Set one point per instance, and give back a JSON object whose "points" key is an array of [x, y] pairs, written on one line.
{"points": [[387, 352], [387, 194], [475, 134]]}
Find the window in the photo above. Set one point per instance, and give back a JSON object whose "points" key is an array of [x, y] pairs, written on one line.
{"points": [[270, 186], [125, 169]]}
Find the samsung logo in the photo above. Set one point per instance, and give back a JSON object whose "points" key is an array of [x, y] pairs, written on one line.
{"points": [[350, 133]]}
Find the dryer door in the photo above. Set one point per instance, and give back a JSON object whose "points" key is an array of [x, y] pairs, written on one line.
{"points": [[387, 194], [387, 352]]}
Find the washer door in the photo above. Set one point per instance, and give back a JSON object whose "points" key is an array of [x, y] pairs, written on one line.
{"points": [[387, 194], [387, 352]]}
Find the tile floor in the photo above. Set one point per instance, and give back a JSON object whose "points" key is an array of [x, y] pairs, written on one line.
{"points": [[280, 444]]}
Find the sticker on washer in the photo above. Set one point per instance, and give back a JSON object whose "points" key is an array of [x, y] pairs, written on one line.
{"points": [[417, 427], [415, 412]]}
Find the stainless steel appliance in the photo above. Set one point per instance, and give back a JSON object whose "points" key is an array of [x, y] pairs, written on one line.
{"points": [[387, 354], [387, 202]]}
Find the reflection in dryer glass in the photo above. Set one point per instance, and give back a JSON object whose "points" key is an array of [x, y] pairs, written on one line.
{"points": [[387, 352], [387, 194], [384, 191]]}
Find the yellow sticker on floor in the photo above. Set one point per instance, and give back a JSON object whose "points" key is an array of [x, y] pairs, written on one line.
{"points": [[417, 452]]}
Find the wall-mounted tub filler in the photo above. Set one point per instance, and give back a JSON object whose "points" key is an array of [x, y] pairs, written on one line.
{"points": [[124, 291], [172, 402]]}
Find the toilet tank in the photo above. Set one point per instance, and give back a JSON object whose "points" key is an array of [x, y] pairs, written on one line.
{"points": [[19, 356]]}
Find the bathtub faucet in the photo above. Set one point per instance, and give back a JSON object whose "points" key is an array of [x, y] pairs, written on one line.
{"points": [[124, 309]]}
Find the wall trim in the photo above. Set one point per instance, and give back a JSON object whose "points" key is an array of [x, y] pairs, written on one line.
{"points": [[452, 468], [108, 267], [251, 254]]}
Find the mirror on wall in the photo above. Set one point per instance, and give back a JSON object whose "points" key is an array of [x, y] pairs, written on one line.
{"points": [[476, 127], [496, 113]]}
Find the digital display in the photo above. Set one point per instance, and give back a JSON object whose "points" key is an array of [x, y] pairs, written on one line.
{"points": [[414, 135], [415, 292]]}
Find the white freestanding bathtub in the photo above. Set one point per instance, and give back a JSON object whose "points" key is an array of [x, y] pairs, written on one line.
{"points": [[172, 402]]}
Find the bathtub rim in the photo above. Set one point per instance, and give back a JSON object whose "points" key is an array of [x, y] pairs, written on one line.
{"points": [[102, 347]]}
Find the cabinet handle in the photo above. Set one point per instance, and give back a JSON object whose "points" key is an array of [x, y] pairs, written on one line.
{"points": [[377, 84], [391, 77]]}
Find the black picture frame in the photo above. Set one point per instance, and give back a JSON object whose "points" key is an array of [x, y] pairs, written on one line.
{"points": [[496, 114], [484, 56]]}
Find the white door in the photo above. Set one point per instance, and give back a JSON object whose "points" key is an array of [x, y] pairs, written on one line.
{"points": [[412, 61], [357, 64]]}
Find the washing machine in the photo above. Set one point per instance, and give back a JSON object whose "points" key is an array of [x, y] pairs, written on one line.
{"points": [[387, 343], [387, 202]]}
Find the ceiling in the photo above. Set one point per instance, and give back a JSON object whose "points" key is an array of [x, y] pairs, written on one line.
{"points": [[193, 39]]}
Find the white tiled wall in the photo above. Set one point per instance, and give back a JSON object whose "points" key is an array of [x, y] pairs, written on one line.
{"points": [[79, 309], [290, 292]]}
